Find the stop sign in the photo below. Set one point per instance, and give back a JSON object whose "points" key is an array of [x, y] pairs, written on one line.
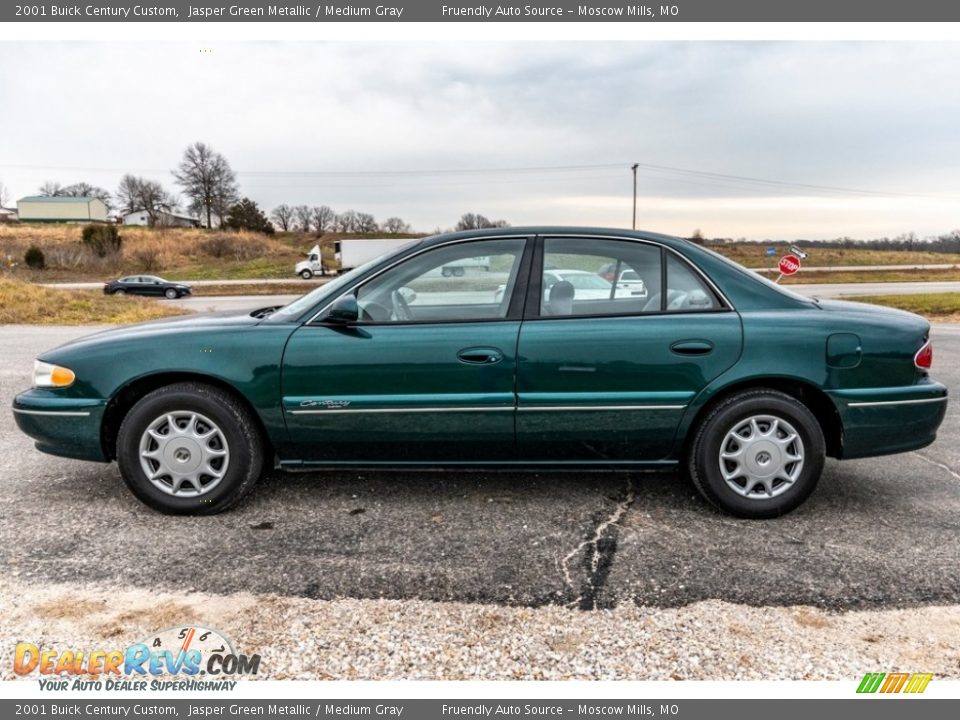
{"points": [[789, 264]]}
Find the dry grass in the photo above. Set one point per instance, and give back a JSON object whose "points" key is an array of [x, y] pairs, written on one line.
{"points": [[24, 304], [144, 250], [752, 255], [934, 306], [196, 254]]}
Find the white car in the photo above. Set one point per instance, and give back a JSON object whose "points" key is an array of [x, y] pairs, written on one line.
{"points": [[588, 285]]}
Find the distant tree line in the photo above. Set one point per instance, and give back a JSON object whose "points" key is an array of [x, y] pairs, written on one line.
{"points": [[210, 192], [945, 243], [321, 219]]}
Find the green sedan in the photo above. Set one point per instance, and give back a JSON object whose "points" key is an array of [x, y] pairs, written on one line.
{"points": [[743, 385]]}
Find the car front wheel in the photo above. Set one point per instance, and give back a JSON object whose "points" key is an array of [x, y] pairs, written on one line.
{"points": [[189, 449], [758, 454], [170, 294]]}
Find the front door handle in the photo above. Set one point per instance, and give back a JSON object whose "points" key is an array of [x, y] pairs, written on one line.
{"points": [[692, 347], [480, 356]]}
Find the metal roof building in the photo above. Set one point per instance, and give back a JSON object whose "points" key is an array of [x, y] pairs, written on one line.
{"points": [[46, 208]]}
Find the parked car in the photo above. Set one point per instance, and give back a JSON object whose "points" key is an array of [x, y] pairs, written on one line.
{"points": [[740, 383], [146, 285], [632, 282], [585, 285]]}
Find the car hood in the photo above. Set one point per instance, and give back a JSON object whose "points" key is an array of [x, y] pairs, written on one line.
{"points": [[202, 322]]}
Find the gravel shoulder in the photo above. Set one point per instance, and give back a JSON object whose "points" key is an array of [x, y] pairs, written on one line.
{"points": [[346, 639]]}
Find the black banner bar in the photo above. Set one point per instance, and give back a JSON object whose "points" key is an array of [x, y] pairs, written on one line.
{"points": [[852, 709], [438, 11]]}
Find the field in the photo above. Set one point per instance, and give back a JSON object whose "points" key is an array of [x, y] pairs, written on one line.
{"points": [[933, 306], [197, 254], [24, 304], [752, 255]]}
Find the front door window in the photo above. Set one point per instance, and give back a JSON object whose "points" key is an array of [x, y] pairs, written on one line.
{"points": [[462, 282]]}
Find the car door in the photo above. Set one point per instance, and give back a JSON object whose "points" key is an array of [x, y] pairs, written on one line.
{"points": [[427, 373], [136, 286], [608, 379]]}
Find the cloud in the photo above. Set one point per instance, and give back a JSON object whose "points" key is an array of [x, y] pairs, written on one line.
{"points": [[879, 116]]}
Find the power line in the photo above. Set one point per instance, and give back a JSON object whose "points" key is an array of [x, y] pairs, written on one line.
{"points": [[703, 175]]}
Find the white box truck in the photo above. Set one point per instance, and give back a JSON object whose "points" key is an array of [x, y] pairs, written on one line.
{"points": [[353, 252]]}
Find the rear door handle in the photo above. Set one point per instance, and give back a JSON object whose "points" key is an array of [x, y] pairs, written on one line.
{"points": [[480, 356], [692, 347]]}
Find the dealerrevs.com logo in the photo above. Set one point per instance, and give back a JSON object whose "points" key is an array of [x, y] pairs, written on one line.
{"points": [[190, 657], [888, 683]]}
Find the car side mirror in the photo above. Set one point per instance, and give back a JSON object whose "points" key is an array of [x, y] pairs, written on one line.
{"points": [[344, 310]]}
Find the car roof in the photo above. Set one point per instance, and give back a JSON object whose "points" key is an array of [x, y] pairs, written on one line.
{"points": [[598, 232]]}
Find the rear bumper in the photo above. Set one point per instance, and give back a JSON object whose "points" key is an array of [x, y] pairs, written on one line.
{"points": [[884, 421], [68, 427]]}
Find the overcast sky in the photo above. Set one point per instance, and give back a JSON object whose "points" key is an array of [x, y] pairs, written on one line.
{"points": [[877, 117]]}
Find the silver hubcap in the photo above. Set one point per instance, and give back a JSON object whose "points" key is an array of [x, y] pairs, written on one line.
{"points": [[761, 457], [184, 454]]}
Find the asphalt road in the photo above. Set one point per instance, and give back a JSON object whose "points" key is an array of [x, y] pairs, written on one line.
{"points": [[877, 533]]}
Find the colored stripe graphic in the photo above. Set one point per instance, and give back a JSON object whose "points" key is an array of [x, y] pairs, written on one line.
{"points": [[894, 682], [918, 682], [870, 682]]}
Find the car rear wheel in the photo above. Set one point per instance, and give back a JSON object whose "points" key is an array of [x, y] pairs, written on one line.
{"points": [[170, 294], [306, 274], [189, 449], [758, 454]]}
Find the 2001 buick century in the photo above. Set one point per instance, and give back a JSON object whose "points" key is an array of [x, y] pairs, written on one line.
{"points": [[741, 383]]}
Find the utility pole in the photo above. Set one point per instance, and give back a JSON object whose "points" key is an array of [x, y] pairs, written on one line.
{"points": [[634, 168]]}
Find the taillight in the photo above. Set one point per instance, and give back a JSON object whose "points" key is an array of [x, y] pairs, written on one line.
{"points": [[924, 357]]}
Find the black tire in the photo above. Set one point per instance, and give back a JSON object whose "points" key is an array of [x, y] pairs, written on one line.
{"points": [[171, 294], [459, 272], [306, 274], [239, 429], [704, 463], [119, 291], [446, 272]]}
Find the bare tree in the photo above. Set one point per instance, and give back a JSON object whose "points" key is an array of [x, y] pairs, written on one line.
{"points": [[208, 180], [323, 218], [395, 225], [304, 217], [4, 195], [84, 189], [282, 215], [476, 221], [136, 193], [346, 222], [51, 188], [366, 223]]}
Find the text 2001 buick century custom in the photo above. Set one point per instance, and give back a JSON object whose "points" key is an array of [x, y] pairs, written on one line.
{"points": [[741, 383]]}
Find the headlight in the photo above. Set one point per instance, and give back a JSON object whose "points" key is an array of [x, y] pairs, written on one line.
{"points": [[46, 375]]}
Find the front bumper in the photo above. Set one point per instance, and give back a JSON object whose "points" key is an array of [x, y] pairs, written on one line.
{"points": [[884, 421], [68, 427]]}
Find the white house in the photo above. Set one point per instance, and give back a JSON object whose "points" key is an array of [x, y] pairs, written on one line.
{"points": [[54, 209], [7, 215], [164, 219]]}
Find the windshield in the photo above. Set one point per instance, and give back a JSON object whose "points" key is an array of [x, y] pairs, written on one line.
{"points": [[332, 289]]}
